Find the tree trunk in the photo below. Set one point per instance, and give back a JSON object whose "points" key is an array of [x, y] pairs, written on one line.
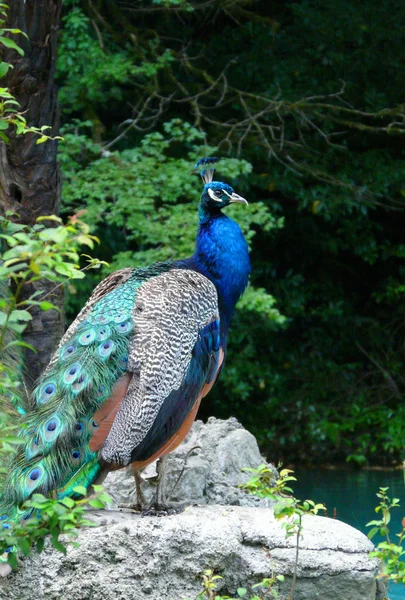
{"points": [[29, 174]]}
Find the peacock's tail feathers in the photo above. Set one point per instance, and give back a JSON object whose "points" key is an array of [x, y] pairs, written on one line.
{"points": [[92, 356]]}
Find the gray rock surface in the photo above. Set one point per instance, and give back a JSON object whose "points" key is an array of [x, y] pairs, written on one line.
{"points": [[212, 455], [133, 557], [129, 557]]}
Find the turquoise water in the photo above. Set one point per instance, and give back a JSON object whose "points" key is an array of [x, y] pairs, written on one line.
{"points": [[353, 495]]}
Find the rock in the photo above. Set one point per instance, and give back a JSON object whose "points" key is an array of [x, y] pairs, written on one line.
{"points": [[129, 557], [213, 456], [133, 557]]}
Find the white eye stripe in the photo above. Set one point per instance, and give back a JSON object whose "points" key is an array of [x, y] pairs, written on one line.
{"points": [[225, 192], [212, 195]]}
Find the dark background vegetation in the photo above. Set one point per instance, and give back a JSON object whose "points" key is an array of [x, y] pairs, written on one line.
{"points": [[303, 99]]}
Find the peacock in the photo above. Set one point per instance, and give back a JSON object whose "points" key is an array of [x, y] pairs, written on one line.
{"points": [[126, 381]]}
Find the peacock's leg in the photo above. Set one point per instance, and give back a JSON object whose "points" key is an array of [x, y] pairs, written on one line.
{"points": [[159, 501], [140, 497], [141, 502], [160, 504]]}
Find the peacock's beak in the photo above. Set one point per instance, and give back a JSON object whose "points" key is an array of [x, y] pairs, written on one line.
{"points": [[236, 198]]}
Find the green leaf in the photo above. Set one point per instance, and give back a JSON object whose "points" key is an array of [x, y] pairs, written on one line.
{"points": [[80, 489], [12, 561], [3, 318], [96, 503], [58, 545], [47, 306], [42, 139], [24, 546], [9, 239], [49, 218], [68, 502], [8, 43], [34, 267], [20, 315], [17, 328], [372, 532]]}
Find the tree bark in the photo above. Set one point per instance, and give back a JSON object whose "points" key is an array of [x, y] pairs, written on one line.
{"points": [[30, 183]]}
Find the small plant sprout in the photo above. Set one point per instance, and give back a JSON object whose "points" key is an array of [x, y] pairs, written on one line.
{"points": [[286, 508], [268, 587], [392, 554]]}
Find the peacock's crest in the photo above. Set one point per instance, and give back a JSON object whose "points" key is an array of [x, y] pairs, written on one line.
{"points": [[207, 174]]}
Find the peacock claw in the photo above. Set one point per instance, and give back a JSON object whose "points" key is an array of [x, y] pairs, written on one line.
{"points": [[161, 511]]}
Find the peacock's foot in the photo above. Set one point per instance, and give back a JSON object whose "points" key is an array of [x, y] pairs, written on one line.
{"points": [[161, 510]]}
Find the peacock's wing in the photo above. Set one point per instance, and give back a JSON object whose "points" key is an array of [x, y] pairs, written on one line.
{"points": [[179, 409], [174, 358]]}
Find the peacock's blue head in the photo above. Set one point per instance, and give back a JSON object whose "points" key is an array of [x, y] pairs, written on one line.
{"points": [[216, 194]]}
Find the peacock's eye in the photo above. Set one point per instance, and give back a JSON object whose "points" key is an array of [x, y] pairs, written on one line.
{"points": [[214, 195]]}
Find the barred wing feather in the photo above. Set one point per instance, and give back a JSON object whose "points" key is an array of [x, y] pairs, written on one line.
{"points": [[174, 353]]}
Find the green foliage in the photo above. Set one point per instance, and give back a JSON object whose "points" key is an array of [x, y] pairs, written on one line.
{"points": [[336, 370], [174, 3], [94, 70], [392, 554], [286, 508], [51, 518], [262, 484], [34, 253]]}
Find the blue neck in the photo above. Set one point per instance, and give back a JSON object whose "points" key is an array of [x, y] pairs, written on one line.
{"points": [[221, 254]]}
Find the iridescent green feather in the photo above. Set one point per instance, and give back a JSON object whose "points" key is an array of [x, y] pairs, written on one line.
{"points": [[56, 455]]}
